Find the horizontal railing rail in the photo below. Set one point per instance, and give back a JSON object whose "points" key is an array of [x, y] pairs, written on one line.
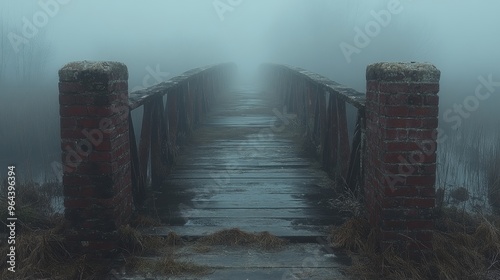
{"points": [[170, 111], [320, 104]]}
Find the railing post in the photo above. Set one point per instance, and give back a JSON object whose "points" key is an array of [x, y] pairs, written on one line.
{"points": [[95, 153], [400, 161]]}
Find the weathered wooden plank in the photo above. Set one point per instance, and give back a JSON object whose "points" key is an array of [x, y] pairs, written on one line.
{"points": [[295, 261], [286, 213], [173, 117], [138, 187], [354, 174], [242, 174], [159, 167], [262, 185], [291, 257], [145, 142], [189, 106], [322, 126], [343, 142], [330, 154]]}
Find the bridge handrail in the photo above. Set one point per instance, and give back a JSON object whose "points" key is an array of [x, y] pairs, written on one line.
{"points": [[349, 95], [320, 105], [188, 99], [140, 97]]}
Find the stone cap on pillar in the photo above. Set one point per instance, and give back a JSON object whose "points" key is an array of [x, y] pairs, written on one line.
{"points": [[93, 71], [403, 72]]}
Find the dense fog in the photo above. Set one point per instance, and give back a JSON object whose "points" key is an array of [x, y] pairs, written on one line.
{"points": [[336, 39]]}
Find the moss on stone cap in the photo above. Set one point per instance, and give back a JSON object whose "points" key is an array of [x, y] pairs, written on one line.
{"points": [[93, 71], [403, 72]]}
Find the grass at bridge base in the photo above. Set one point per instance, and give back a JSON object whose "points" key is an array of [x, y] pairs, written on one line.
{"points": [[42, 254], [154, 255], [465, 246], [237, 237]]}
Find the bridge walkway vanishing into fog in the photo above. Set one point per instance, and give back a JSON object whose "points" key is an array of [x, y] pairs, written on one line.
{"points": [[207, 156], [246, 168]]}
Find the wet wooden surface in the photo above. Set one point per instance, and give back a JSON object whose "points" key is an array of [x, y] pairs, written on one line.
{"points": [[295, 261], [245, 167]]}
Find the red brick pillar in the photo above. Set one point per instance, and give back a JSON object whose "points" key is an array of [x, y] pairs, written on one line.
{"points": [[400, 161], [95, 153]]}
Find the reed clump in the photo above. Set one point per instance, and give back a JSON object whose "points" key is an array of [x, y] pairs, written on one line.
{"points": [[465, 246]]}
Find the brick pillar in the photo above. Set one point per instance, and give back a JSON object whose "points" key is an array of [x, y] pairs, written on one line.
{"points": [[95, 153], [400, 161]]}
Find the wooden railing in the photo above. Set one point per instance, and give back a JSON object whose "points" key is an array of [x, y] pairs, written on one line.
{"points": [[320, 104], [171, 110], [391, 158]]}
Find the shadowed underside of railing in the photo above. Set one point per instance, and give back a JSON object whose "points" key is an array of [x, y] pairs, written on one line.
{"points": [[320, 104], [171, 110]]}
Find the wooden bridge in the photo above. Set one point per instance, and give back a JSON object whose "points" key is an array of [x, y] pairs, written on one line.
{"points": [[212, 155]]}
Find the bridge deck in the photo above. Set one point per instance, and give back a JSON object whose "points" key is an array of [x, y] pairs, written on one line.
{"points": [[237, 171]]}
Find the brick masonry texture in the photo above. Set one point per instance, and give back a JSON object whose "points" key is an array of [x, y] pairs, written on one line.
{"points": [[95, 153], [400, 159]]}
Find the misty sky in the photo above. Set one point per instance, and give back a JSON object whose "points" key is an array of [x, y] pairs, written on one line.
{"points": [[460, 37]]}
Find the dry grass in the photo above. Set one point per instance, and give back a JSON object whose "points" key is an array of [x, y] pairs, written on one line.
{"points": [[133, 242], [42, 254], [165, 266], [352, 235], [348, 202], [33, 207], [143, 221], [173, 239], [493, 179], [453, 219], [154, 254], [464, 247], [200, 248], [237, 237], [41, 251]]}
